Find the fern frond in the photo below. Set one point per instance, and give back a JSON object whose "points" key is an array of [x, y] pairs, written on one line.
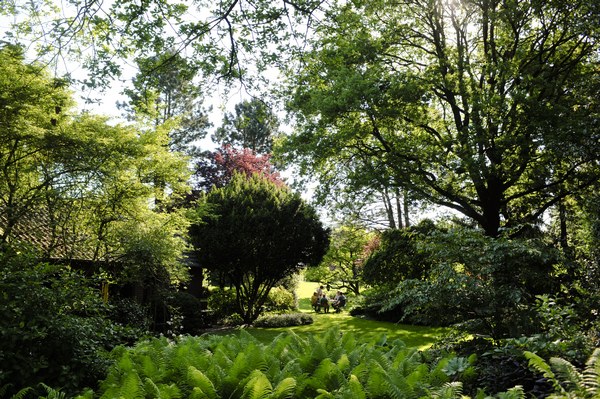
{"points": [[328, 375], [323, 394], [130, 387], [513, 393], [449, 390], [240, 368], [568, 374], [86, 394], [197, 393], [198, 379], [22, 392], [591, 373], [397, 386], [355, 388], [150, 388], [170, 391], [376, 380], [343, 363], [540, 365], [258, 386], [285, 389]]}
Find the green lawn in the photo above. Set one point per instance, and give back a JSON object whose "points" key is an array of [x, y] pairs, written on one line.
{"points": [[365, 330]]}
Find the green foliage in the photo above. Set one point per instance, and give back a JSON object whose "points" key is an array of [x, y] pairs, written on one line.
{"points": [[567, 380], [399, 257], [283, 320], [420, 94], [342, 265], [280, 299], [488, 285], [54, 327], [222, 303], [333, 365], [258, 232], [189, 309], [253, 126], [86, 182]]}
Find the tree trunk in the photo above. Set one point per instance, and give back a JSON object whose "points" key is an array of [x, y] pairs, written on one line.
{"points": [[399, 209], [388, 208]]}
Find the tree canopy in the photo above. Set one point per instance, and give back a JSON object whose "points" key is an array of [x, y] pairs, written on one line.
{"points": [[487, 108], [86, 181], [253, 126], [256, 232]]}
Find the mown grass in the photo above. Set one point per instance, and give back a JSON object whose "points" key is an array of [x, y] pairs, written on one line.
{"points": [[364, 330]]}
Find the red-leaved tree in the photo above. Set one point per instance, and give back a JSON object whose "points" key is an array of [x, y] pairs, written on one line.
{"points": [[217, 168]]}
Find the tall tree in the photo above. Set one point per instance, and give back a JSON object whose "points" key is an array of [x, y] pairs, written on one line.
{"points": [[217, 168], [235, 39], [165, 89], [482, 107], [253, 126], [343, 263], [256, 233], [84, 181]]}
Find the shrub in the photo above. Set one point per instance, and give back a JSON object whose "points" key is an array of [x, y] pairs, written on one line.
{"points": [[188, 309], [280, 299], [222, 303], [54, 327], [283, 320], [485, 285]]}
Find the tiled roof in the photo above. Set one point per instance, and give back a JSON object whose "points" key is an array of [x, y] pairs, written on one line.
{"points": [[36, 229]]}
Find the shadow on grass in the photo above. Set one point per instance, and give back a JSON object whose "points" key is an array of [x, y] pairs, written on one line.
{"points": [[365, 330]]}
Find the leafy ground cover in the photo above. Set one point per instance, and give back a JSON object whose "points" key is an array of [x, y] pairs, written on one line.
{"points": [[364, 330]]}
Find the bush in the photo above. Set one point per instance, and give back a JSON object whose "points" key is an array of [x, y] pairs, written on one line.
{"points": [[221, 303], [188, 309], [484, 285], [54, 327], [283, 320], [281, 300]]}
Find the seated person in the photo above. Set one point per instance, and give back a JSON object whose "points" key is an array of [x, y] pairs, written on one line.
{"points": [[339, 302], [324, 303], [314, 301]]}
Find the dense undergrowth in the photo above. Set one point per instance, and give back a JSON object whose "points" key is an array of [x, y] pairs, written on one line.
{"points": [[334, 365]]}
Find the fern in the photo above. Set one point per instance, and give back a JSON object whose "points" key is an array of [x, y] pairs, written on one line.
{"points": [[565, 371], [449, 390], [513, 393], [197, 379], [355, 389], [591, 373], [327, 376], [376, 381], [21, 394], [52, 393], [398, 387], [285, 389], [151, 389], [568, 381], [170, 391], [540, 365], [343, 363], [130, 388], [323, 394], [258, 386]]}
